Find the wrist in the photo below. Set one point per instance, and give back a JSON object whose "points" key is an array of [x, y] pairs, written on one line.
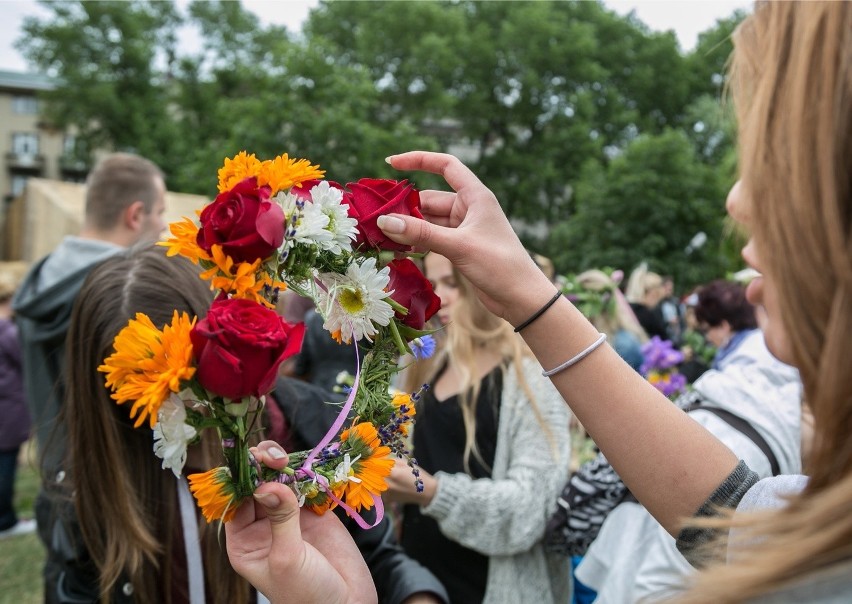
{"points": [[526, 308]]}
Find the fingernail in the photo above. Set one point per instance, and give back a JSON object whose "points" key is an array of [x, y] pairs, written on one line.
{"points": [[388, 159], [268, 500], [389, 224], [276, 453]]}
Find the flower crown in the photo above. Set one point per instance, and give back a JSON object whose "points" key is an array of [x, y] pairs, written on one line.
{"points": [[593, 302], [276, 225]]}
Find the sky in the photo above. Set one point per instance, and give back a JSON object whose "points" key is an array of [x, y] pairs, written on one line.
{"points": [[687, 18]]}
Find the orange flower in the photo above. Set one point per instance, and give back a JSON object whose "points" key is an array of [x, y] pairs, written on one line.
{"points": [[214, 492], [318, 500], [282, 173], [183, 241], [370, 464], [148, 364], [398, 401], [244, 283], [238, 169]]}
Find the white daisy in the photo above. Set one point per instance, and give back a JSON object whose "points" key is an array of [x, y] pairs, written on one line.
{"points": [[353, 304], [172, 434], [306, 222], [344, 472], [343, 229]]}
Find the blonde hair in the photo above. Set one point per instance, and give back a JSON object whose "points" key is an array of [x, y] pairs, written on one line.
{"points": [[473, 328], [792, 85], [640, 283], [616, 315]]}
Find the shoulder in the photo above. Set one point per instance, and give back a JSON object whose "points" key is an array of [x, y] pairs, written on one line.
{"points": [[772, 492]]}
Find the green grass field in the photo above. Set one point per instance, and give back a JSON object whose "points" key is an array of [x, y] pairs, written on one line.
{"points": [[21, 558]]}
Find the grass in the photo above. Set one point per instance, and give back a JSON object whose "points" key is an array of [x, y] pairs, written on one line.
{"points": [[21, 558]]}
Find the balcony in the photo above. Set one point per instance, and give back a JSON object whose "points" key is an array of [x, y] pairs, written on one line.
{"points": [[29, 162], [73, 165]]}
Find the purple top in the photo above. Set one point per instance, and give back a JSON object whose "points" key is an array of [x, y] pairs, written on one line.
{"points": [[14, 415]]}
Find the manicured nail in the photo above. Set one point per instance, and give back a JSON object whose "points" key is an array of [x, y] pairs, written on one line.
{"points": [[276, 453], [389, 224], [268, 500], [388, 159]]}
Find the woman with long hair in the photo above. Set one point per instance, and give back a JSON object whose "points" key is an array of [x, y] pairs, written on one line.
{"points": [[790, 539], [491, 441], [141, 536]]}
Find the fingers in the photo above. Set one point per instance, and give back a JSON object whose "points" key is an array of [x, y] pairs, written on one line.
{"points": [[270, 454], [457, 175], [416, 232]]}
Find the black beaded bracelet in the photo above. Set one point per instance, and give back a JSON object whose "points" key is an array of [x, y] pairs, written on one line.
{"points": [[539, 312]]}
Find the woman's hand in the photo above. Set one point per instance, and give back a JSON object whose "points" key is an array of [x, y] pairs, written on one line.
{"points": [[402, 489], [290, 555], [469, 227]]}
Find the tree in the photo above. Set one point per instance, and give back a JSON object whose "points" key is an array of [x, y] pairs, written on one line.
{"points": [[104, 56], [647, 204]]}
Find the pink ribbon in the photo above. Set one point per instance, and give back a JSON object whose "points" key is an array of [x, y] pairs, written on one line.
{"points": [[332, 432]]}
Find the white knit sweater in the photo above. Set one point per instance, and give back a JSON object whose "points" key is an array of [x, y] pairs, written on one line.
{"points": [[503, 517]]}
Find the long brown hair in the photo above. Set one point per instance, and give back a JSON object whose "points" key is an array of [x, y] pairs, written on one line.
{"points": [[473, 328], [792, 85], [125, 502]]}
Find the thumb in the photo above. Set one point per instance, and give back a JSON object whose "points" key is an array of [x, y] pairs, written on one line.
{"points": [[282, 511], [417, 232]]}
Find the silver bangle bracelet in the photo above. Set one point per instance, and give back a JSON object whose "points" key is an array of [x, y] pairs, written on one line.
{"points": [[578, 357]]}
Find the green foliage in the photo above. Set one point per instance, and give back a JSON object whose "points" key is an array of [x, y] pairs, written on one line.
{"points": [[550, 103], [647, 204]]}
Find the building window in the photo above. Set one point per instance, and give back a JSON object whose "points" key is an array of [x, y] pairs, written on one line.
{"points": [[25, 105], [25, 143], [19, 182], [69, 144]]}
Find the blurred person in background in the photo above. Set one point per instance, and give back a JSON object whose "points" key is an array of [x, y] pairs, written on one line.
{"points": [[125, 204], [644, 292], [14, 415]]}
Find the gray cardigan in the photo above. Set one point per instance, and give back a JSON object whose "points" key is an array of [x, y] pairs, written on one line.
{"points": [[503, 517]]}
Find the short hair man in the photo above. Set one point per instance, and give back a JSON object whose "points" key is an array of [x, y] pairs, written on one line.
{"points": [[125, 204]]}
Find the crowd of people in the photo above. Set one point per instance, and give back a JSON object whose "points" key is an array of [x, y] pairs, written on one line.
{"points": [[734, 488]]}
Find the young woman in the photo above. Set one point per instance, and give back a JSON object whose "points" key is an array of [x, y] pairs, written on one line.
{"points": [[792, 81], [136, 542], [492, 444]]}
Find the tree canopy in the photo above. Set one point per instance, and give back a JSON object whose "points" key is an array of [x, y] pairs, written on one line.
{"points": [[583, 122]]}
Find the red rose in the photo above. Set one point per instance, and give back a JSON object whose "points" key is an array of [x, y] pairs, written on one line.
{"points": [[413, 291], [244, 222], [239, 345], [370, 198]]}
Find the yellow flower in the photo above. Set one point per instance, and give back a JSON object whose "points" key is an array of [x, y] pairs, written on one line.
{"points": [[214, 492], [183, 241], [371, 463], [238, 169], [398, 401], [282, 173], [148, 364]]}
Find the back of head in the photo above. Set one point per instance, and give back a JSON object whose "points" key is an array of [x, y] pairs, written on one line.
{"points": [[614, 313], [722, 300], [641, 281], [116, 182], [129, 524]]}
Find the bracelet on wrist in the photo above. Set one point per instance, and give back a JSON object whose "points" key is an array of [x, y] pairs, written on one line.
{"points": [[539, 312]]}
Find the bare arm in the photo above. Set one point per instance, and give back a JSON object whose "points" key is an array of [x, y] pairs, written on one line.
{"points": [[669, 462]]}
